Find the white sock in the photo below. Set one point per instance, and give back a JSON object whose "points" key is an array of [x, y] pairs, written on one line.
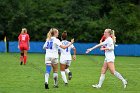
{"points": [[119, 76], [46, 78], [102, 77], [55, 75], [67, 70], [64, 76]]}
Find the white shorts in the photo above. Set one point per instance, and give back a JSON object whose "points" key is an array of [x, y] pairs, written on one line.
{"points": [[109, 60], [49, 60], [67, 62]]}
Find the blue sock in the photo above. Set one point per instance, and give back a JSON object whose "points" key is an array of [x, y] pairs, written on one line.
{"points": [[48, 69]]}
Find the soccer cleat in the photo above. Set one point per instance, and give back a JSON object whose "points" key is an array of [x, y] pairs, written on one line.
{"points": [[21, 63], [124, 83], [46, 86], [66, 84], [69, 75], [55, 86], [96, 86], [56, 82]]}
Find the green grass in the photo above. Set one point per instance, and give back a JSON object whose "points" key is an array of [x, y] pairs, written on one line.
{"points": [[86, 71]]}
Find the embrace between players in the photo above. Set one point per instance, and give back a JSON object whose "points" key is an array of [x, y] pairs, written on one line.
{"points": [[53, 45]]}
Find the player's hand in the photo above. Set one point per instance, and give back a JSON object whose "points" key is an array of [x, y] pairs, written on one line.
{"points": [[72, 40], [74, 57], [88, 50], [18, 46], [101, 48]]}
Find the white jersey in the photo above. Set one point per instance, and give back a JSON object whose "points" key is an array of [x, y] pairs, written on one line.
{"points": [[108, 43], [51, 47], [66, 53]]}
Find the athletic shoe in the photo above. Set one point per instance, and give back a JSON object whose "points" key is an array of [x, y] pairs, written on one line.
{"points": [[96, 86], [69, 75], [21, 63], [46, 86], [124, 83], [55, 86], [66, 84]]}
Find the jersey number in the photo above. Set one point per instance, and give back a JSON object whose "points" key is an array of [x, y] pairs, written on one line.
{"points": [[67, 50], [23, 37], [49, 45]]}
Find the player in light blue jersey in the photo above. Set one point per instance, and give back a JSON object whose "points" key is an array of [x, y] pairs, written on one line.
{"points": [[51, 58], [65, 58]]}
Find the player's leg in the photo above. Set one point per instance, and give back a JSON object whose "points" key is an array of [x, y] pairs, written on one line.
{"points": [[62, 68], [55, 70], [48, 70], [21, 57], [25, 56], [102, 77], [111, 67], [68, 63]]}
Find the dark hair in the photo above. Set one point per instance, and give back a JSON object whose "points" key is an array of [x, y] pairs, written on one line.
{"points": [[64, 35]]}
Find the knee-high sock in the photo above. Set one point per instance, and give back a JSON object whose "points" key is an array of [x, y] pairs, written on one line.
{"points": [[67, 70], [101, 80], [55, 76], [21, 58], [119, 76], [46, 77], [64, 76], [25, 59]]}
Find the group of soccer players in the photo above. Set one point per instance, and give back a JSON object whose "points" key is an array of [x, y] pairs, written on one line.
{"points": [[54, 47]]}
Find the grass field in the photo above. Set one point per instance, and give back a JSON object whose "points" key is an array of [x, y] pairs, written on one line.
{"points": [[86, 71]]}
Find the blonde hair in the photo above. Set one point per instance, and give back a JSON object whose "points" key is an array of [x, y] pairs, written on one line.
{"points": [[51, 33], [112, 33], [24, 30], [113, 36]]}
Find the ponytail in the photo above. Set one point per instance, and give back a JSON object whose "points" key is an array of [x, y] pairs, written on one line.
{"points": [[24, 30], [64, 35], [113, 36], [51, 33]]}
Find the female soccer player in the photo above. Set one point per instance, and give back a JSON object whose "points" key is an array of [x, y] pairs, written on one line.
{"points": [[65, 58], [109, 59], [23, 45], [51, 58]]}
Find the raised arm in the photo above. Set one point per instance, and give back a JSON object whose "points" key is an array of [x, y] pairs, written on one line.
{"points": [[64, 47], [96, 46]]}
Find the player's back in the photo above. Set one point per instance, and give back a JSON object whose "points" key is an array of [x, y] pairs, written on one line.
{"points": [[23, 38], [66, 51], [51, 47]]}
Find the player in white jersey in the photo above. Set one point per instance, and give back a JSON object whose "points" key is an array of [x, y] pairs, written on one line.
{"points": [[65, 58], [51, 58], [109, 59]]}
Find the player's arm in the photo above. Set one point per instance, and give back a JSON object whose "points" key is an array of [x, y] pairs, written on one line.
{"points": [[64, 47], [28, 41], [74, 55], [45, 45], [94, 47], [101, 40], [18, 41]]}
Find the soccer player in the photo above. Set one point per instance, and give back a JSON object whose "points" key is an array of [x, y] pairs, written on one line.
{"points": [[23, 45], [65, 58], [109, 59], [51, 58]]}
